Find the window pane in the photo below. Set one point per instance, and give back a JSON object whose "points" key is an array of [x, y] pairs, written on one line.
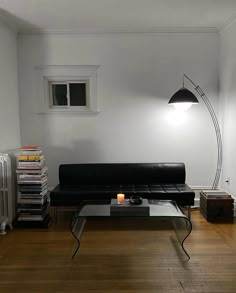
{"points": [[78, 94], [59, 92]]}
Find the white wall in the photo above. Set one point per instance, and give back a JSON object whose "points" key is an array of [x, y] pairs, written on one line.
{"points": [[228, 104], [138, 74], [9, 101]]}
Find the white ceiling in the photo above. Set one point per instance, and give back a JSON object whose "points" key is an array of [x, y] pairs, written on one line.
{"points": [[31, 16]]}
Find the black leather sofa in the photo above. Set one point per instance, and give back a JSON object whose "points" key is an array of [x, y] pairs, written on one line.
{"points": [[79, 182]]}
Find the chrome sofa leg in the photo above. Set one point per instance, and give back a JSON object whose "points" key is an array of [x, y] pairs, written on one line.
{"points": [[189, 212], [55, 215], [183, 209]]}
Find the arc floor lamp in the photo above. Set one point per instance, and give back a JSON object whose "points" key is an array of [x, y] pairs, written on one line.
{"points": [[183, 99]]}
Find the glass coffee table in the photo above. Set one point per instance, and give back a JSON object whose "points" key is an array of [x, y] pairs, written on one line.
{"points": [[157, 208]]}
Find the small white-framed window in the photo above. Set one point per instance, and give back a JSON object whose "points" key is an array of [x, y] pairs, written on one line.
{"points": [[67, 89], [68, 94]]}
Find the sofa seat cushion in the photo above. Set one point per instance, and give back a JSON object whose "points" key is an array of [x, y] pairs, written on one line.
{"points": [[71, 195]]}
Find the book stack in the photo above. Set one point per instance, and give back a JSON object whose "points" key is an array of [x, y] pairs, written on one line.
{"points": [[32, 182], [216, 206]]}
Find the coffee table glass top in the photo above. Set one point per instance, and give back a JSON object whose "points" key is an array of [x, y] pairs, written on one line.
{"points": [[157, 208], [160, 208]]}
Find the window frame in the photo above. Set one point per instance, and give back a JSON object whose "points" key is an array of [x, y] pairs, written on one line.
{"points": [[67, 83], [47, 74]]}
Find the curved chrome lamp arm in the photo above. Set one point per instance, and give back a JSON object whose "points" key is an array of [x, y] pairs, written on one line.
{"points": [[217, 131]]}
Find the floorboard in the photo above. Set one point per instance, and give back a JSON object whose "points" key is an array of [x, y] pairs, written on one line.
{"points": [[126, 255]]}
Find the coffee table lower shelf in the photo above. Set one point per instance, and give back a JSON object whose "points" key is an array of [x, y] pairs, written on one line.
{"points": [[158, 208]]}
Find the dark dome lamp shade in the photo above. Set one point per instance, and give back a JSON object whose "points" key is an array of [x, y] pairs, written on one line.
{"points": [[185, 98]]}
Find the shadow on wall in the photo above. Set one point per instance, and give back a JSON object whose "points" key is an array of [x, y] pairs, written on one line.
{"points": [[82, 151], [15, 22]]}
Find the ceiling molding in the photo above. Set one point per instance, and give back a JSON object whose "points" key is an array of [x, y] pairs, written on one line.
{"points": [[160, 30]]}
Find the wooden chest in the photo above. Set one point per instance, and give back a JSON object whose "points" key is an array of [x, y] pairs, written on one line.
{"points": [[216, 206]]}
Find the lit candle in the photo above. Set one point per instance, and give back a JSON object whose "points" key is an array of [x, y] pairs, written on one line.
{"points": [[120, 197]]}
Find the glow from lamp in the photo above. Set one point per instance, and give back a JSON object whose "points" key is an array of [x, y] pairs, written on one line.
{"points": [[176, 118], [182, 106]]}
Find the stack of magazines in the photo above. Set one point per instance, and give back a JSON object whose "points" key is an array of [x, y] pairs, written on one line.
{"points": [[32, 182]]}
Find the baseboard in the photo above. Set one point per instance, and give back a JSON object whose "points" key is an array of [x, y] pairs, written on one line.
{"points": [[196, 203]]}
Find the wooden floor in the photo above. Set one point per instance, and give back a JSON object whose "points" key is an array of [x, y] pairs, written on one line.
{"points": [[119, 256]]}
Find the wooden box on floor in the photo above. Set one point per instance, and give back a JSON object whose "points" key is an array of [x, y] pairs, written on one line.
{"points": [[216, 206]]}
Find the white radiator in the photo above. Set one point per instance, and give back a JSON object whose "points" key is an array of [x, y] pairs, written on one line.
{"points": [[7, 190]]}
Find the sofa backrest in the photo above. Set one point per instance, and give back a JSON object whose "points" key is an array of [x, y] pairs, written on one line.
{"points": [[121, 173]]}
